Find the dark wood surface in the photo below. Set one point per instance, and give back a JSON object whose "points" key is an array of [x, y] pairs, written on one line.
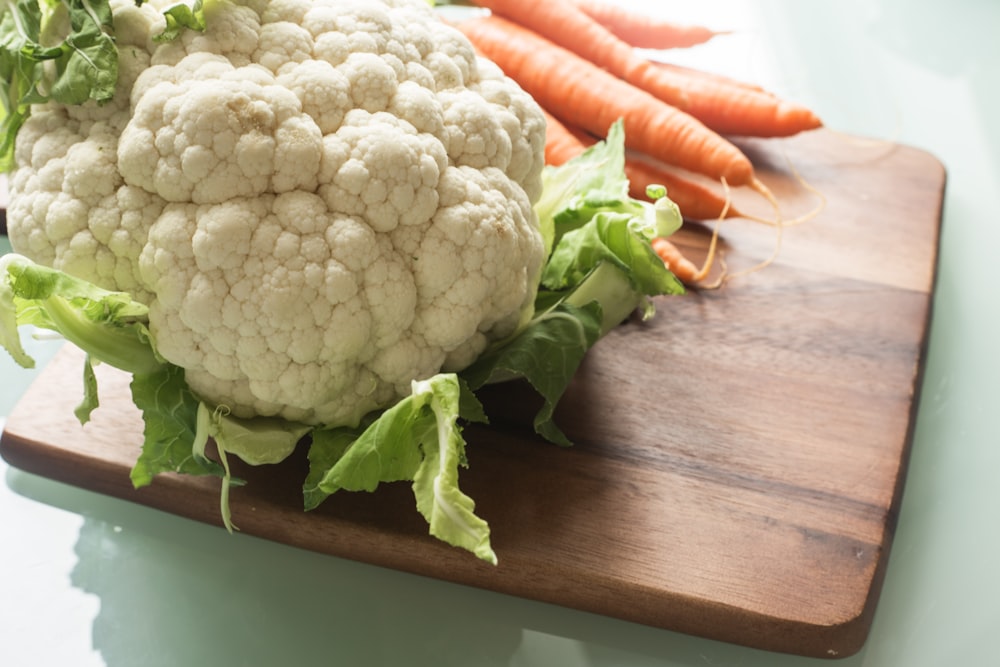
{"points": [[738, 460]]}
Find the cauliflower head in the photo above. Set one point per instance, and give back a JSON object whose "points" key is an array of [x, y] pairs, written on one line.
{"points": [[319, 201]]}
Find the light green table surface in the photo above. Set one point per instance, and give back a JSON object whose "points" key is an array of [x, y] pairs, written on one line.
{"points": [[89, 580]]}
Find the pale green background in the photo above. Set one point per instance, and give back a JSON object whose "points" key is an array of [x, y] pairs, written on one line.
{"points": [[88, 580]]}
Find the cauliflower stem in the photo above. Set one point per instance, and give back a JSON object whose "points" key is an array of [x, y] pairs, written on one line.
{"points": [[108, 325]]}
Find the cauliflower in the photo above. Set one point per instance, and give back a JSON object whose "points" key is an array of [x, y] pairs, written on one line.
{"points": [[319, 201], [306, 218]]}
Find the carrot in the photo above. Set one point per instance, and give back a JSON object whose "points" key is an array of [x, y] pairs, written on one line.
{"points": [[679, 265], [723, 108], [733, 107], [561, 144], [564, 24], [588, 97], [643, 31], [691, 72], [696, 201]]}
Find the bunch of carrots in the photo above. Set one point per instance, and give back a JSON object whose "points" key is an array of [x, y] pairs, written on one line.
{"points": [[578, 59]]}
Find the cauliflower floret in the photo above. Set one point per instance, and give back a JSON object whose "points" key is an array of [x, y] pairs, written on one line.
{"points": [[220, 133], [234, 33], [458, 265], [320, 201], [324, 92], [378, 167]]}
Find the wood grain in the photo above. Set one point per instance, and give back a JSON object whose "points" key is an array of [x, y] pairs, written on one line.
{"points": [[739, 459]]}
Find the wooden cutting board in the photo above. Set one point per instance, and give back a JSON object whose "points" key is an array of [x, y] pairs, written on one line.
{"points": [[739, 459]]}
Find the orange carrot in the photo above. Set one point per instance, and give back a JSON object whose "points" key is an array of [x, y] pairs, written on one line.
{"points": [[564, 24], [561, 144], [691, 72], [588, 97], [733, 107], [679, 265], [695, 201], [643, 31], [724, 109]]}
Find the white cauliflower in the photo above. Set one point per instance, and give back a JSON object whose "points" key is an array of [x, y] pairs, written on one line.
{"points": [[320, 201]]}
